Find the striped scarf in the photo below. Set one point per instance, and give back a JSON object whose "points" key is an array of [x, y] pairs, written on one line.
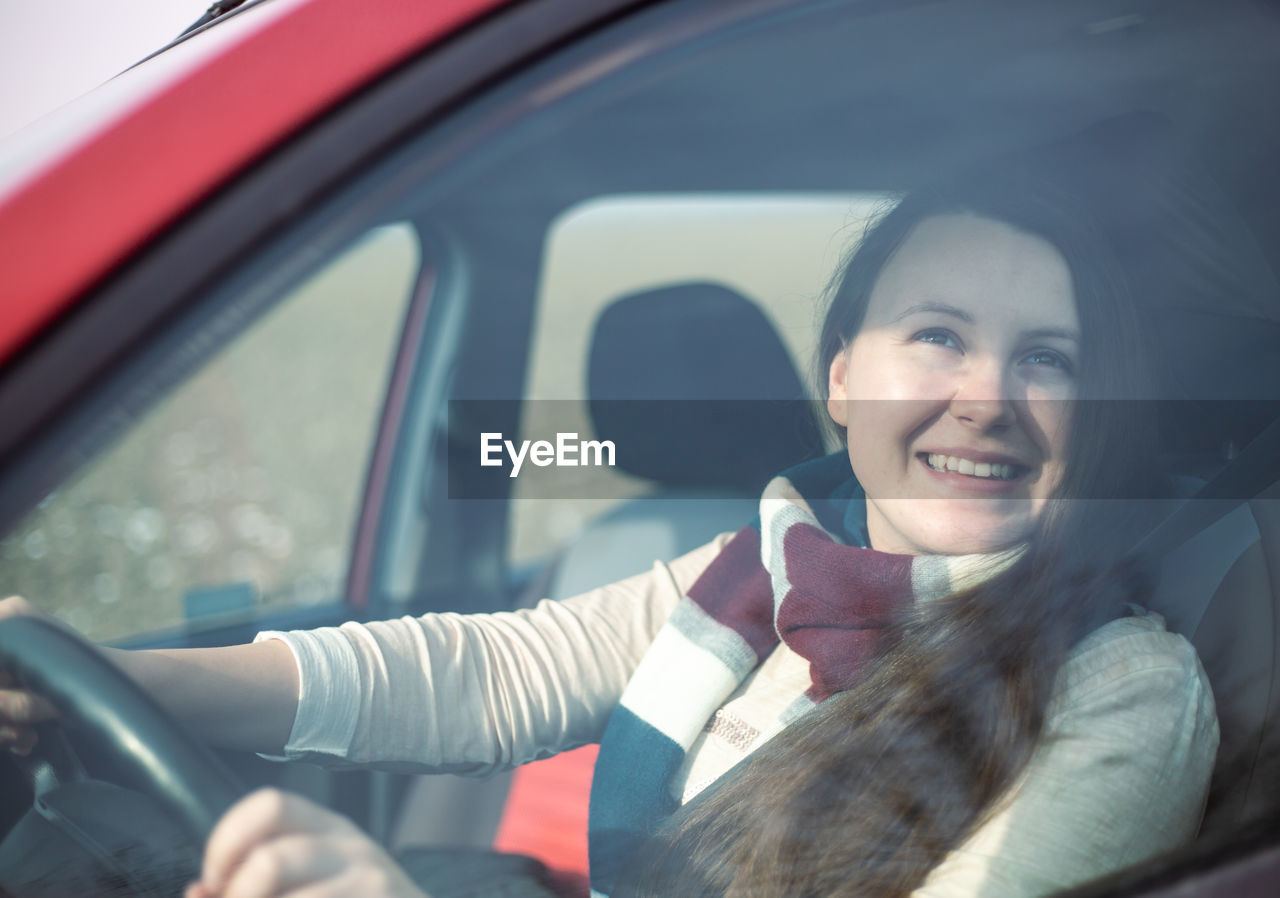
{"points": [[799, 573]]}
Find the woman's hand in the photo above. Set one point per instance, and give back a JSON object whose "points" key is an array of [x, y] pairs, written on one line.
{"points": [[276, 845], [20, 710], [242, 696]]}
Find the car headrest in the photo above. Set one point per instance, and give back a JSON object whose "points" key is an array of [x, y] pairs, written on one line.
{"points": [[694, 386]]}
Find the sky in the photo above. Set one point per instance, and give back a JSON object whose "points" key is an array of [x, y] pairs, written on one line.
{"points": [[52, 51]]}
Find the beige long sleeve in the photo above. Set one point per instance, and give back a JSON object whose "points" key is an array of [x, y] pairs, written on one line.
{"points": [[476, 693], [1120, 775]]}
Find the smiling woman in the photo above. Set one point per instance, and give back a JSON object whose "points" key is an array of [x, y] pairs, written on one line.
{"points": [[910, 674], [962, 398], [975, 351]]}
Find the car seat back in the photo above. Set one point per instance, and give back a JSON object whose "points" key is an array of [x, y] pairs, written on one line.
{"points": [[1221, 590], [694, 382]]}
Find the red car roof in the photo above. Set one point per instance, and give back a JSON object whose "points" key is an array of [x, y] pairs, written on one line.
{"points": [[78, 219]]}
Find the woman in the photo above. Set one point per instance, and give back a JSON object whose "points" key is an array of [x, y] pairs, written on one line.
{"points": [[982, 332], [940, 686]]}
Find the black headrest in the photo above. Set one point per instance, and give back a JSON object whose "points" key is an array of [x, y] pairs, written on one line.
{"points": [[696, 390]]}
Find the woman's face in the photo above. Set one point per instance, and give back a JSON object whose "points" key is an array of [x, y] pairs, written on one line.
{"points": [[956, 391]]}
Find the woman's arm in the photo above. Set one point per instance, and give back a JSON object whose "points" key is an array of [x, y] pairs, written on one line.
{"points": [[474, 693], [1120, 774], [468, 693], [242, 696]]}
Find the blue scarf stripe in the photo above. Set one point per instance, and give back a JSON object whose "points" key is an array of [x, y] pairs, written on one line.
{"points": [[820, 484], [676, 666], [643, 763], [692, 667]]}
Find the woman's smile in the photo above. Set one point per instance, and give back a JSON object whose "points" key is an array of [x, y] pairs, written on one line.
{"points": [[956, 390], [984, 471]]}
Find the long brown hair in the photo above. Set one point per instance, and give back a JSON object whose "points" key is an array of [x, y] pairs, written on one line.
{"points": [[868, 793]]}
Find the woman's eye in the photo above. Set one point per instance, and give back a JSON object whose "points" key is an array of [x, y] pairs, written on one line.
{"points": [[937, 337], [1049, 358]]}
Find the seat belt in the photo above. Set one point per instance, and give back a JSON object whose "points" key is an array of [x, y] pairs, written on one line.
{"points": [[1244, 477]]}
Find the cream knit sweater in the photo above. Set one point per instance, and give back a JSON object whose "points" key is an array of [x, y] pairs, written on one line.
{"points": [[1120, 775]]}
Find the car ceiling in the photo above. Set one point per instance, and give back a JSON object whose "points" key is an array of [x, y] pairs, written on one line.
{"points": [[838, 104], [1184, 92]]}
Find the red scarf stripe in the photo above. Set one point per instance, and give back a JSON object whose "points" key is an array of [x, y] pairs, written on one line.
{"points": [[841, 598], [736, 591]]}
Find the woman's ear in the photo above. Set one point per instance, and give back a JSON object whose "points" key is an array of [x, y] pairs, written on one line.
{"points": [[836, 393]]}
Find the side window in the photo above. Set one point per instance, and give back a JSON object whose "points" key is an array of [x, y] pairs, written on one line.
{"points": [[777, 250], [239, 491]]}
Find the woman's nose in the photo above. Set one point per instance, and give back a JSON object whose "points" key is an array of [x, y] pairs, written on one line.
{"points": [[981, 398]]}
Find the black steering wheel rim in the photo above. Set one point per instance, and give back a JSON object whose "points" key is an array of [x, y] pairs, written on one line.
{"points": [[154, 754]]}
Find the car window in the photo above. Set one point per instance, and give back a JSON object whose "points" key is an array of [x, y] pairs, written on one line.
{"points": [[780, 251], [236, 493], [708, 144], [644, 170]]}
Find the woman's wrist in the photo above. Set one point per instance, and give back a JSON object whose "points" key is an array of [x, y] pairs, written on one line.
{"points": [[241, 696], [158, 673], [131, 663]]}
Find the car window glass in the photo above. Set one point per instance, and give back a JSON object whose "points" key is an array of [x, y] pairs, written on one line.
{"points": [[238, 491], [748, 157], [778, 250], [695, 166]]}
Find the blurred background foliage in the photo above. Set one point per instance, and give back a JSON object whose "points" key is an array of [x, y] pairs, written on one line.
{"points": [[242, 484]]}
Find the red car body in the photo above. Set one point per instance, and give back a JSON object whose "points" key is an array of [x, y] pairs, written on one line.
{"points": [[89, 202], [92, 190]]}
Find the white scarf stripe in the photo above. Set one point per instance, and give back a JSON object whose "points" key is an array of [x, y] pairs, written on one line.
{"points": [[937, 576], [930, 577], [678, 686], [775, 562], [724, 642], [780, 497]]}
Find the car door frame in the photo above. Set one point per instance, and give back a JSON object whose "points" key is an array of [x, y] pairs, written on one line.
{"points": [[62, 385], [65, 376]]}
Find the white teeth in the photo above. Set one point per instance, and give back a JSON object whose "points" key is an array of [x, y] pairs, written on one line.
{"points": [[972, 468]]}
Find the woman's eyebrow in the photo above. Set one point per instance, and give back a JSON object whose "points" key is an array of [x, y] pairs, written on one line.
{"points": [[942, 308], [1061, 333], [935, 307]]}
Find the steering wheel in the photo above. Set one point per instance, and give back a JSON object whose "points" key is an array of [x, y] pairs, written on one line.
{"points": [[123, 725]]}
